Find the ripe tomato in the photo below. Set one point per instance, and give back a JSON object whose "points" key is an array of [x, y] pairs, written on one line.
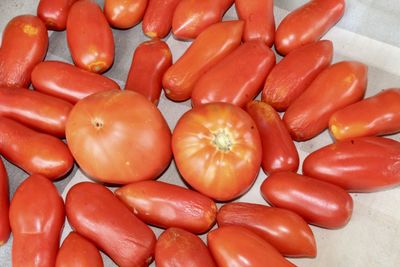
{"points": [[124, 14], [217, 150], [54, 13], [4, 205]]}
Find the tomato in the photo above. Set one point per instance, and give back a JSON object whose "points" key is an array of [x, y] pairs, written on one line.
{"points": [[307, 24], [283, 229], [124, 14], [149, 63], [237, 78], [295, 72], [37, 217], [166, 205], [278, 150], [191, 17], [114, 135], [4, 205], [336, 87], [179, 248], [212, 45], [54, 13], [24, 44], [89, 36], [217, 150], [78, 251], [96, 214], [376, 115]]}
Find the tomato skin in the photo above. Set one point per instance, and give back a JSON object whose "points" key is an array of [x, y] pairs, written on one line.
{"points": [[237, 78], [187, 209], [24, 44], [89, 36], [279, 151], [295, 72], [124, 14], [149, 63], [307, 24], [54, 13], [37, 217], [4, 205], [336, 87], [210, 47], [96, 214]]}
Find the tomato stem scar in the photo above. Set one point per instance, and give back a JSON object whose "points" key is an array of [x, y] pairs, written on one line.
{"points": [[222, 141]]}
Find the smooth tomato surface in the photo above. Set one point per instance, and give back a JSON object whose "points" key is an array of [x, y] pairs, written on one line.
{"points": [[4, 205], [124, 14], [54, 13]]}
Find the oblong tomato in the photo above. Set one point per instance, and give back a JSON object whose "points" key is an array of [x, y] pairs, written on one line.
{"points": [[54, 13], [187, 209], [217, 150], [336, 87], [89, 36], [295, 72], [237, 78], [95, 213], [37, 217], [4, 205], [307, 24], [318, 202], [24, 44], [212, 45], [124, 14]]}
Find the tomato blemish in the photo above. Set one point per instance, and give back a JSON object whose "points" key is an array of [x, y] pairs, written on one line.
{"points": [[30, 30]]}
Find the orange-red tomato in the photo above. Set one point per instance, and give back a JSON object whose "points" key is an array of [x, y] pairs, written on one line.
{"points": [[89, 36], [149, 63], [178, 248], [307, 24], [124, 14], [166, 205], [95, 213], [37, 217], [295, 72], [54, 13], [237, 78], [119, 137], [212, 45], [24, 44], [318, 202], [4, 205], [278, 150], [336, 87], [217, 150]]}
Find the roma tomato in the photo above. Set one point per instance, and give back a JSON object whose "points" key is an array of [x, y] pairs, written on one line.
{"points": [[237, 78], [124, 14], [212, 45], [376, 115], [4, 205], [336, 87], [363, 164], [149, 63], [187, 209], [54, 13], [318, 202], [34, 152], [295, 72], [37, 217], [307, 24], [89, 36], [95, 213], [217, 150], [278, 150], [24, 44], [178, 248], [122, 128]]}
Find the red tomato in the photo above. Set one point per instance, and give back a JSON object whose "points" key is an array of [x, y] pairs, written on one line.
{"points": [[24, 44], [376, 115], [89, 36], [217, 150], [166, 205], [78, 251], [283, 229], [318, 202], [278, 150], [212, 45], [114, 135], [4, 205], [237, 78], [124, 14], [37, 217], [295, 72], [149, 63], [237, 246], [54, 13], [307, 24], [338, 86], [178, 248], [34, 152], [95, 213]]}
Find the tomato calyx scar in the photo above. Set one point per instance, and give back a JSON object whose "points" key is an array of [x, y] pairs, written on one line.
{"points": [[222, 140], [98, 123]]}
